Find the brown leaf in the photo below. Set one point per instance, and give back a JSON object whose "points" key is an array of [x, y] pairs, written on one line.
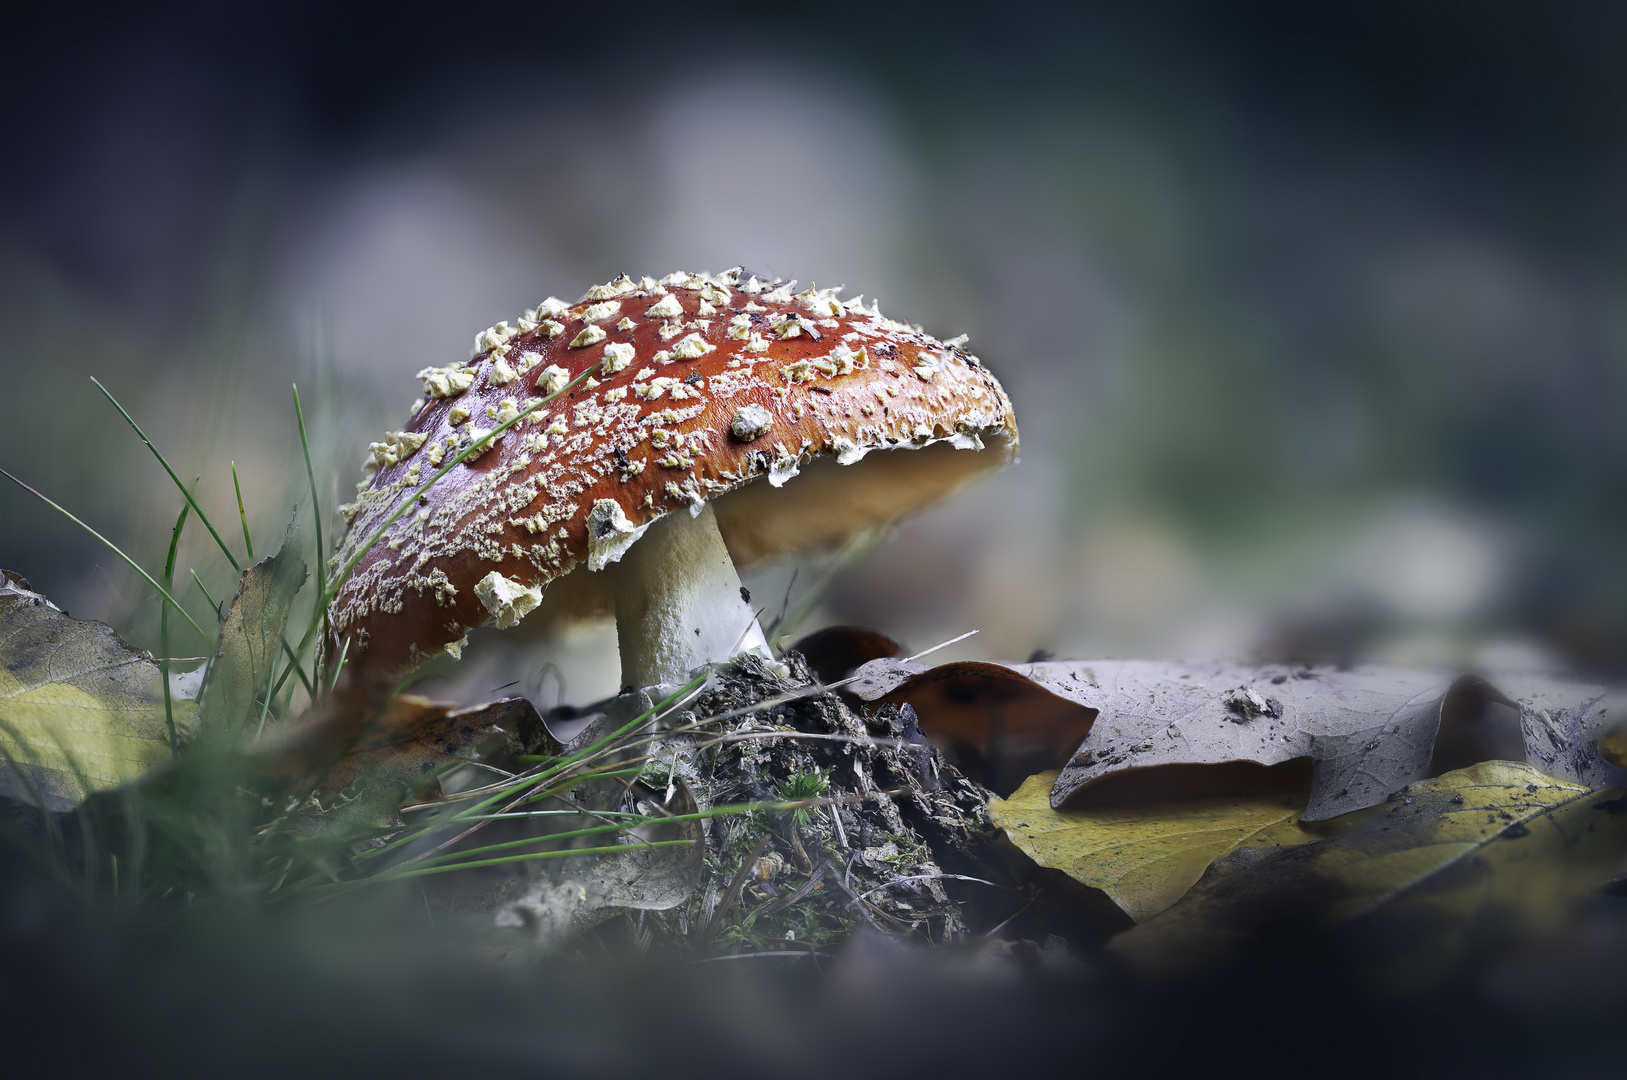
{"points": [[362, 732], [832, 653], [994, 723]]}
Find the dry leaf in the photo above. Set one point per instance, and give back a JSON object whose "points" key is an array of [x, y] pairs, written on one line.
{"points": [[996, 724], [378, 749], [1147, 850], [1498, 846], [832, 653], [80, 711], [1565, 725], [1367, 731], [251, 639], [409, 740]]}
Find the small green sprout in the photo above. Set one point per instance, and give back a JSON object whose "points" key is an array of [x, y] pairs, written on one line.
{"points": [[803, 787]]}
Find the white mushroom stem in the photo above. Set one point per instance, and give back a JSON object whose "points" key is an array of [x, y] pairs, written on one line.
{"points": [[679, 602]]}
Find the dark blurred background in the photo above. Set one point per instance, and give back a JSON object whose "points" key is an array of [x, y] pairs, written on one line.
{"points": [[1314, 316]]}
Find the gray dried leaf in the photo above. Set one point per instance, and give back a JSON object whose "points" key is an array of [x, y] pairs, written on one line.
{"points": [[1561, 723], [1367, 731]]}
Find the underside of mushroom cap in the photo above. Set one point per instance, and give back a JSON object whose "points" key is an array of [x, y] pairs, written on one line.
{"points": [[776, 406]]}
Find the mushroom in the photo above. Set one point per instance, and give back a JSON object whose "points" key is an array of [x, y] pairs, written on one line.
{"points": [[702, 387]]}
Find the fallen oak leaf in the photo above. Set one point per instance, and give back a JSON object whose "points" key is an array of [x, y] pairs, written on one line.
{"points": [[1145, 849], [832, 653], [996, 724], [1367, 731], [80, 710], [1493, 847]]}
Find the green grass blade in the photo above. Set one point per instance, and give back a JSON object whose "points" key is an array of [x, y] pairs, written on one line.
{"points": [[196, 509], [163, 628], [248, 544], [338, 665], [265, 706], [114, 548], [193, 503], [632, 822], [855, 550], [316, 516], [220, 616], [294, 666], [504, 860], [519, 789]]}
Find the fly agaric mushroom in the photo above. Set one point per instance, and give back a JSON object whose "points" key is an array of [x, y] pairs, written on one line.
{"points": [[700, 386]]}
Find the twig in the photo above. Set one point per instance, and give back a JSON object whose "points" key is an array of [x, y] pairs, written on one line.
{"points": [[799, 953], [845, 883], [921, 877], [1009, 920], [866, 740], [841, 833]]}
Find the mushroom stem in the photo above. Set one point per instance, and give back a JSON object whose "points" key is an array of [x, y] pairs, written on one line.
{"points": [[679, 603]]}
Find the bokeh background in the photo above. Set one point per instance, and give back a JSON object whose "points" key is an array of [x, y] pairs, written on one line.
{"points": [[1314, 316]]}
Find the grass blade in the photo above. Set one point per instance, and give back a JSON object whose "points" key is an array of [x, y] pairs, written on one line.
{"points": [[163, 628], [345, 886], [338, 665], [196, 509], [248, 544], [855, 550], [220, 616], [114, 548], [316, 517]]}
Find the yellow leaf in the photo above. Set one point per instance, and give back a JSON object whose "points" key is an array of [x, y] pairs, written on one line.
{"points": [[1498, 844], [1145, 853], [80, 711]]}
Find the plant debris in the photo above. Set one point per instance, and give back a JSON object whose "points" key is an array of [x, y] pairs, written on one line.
{"points": [[846, 817]]}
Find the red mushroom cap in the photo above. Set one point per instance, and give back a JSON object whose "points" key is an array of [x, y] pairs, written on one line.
{"points": [[701, 385]]}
